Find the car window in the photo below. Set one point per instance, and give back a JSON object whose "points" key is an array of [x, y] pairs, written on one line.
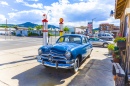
{"points": [[96, 39], [84, 40], [91, 39], [74, 39], [61, 39], [108, 35]]}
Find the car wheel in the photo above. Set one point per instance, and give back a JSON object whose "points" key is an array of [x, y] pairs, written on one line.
{"points": [[76, 65], [89, 54], [45, 66], [105, 45]]}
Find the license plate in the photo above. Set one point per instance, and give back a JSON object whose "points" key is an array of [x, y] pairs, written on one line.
{"points": [[50, 59]]}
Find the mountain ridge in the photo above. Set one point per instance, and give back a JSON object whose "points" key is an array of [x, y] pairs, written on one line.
{"points": [[27, 25]]}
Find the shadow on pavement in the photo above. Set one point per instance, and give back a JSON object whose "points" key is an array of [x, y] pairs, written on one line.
{"points": [[14, 62], [41, 76], [30, 56], [95, 73]]}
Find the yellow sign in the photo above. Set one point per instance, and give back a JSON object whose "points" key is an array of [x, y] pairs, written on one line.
{"points": [[61, 20]]}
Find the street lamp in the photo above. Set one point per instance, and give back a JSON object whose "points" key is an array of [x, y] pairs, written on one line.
{"points": [[92, 22]]}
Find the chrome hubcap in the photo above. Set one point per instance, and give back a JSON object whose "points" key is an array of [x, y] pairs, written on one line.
{"points": [[105, 45], [76, 65]]}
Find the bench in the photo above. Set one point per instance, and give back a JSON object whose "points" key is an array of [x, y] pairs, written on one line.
{"points": [[119, 73]]}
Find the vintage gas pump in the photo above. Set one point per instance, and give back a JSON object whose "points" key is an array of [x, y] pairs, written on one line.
{"points": [[45, 30], [61, 26]]}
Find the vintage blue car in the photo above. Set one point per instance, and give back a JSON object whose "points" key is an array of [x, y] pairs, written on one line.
{"points": [[68, 52]]}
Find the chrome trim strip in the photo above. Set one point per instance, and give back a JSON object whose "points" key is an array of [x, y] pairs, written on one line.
{"points": [[65, 66]]}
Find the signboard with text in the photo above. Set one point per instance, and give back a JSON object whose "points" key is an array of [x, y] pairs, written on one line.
{"points": [[90, 27]]}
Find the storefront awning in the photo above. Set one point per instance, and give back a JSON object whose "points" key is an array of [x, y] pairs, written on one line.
{"points": [[120, 8]]}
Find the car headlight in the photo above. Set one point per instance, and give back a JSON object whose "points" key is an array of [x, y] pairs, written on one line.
{"points": [[68, 54], [39, 52]]}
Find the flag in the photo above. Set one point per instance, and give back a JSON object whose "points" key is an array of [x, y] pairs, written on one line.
{"points": [[111, 13]]}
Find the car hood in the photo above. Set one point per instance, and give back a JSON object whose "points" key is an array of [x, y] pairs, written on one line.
{"points": [[64, 46]]}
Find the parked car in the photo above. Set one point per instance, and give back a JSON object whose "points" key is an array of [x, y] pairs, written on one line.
{"points": [[106, 36], [68, 52], [99, 42]]}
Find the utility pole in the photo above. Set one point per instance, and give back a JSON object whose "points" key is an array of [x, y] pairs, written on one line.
{"points": [[92, 22], [5, 29]]}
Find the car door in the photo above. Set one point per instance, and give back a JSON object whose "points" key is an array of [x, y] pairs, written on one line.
{"points": [[89, 46], [92, 41], [98, 41], [85, 50]]}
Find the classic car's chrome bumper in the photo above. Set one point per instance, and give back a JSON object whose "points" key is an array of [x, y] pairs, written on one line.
{"points": [[45, 61]]}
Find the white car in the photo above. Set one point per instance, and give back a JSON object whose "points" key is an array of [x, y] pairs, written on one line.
{"points": [[106, 36], [99, 42]]}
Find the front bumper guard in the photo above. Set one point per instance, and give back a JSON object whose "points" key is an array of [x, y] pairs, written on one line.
{"points": [[69, 63]]}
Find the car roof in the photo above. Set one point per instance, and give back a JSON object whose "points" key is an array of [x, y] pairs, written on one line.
{"points": [[74, 35]]}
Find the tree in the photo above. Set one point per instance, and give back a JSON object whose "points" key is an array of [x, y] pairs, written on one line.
{"points": [[15, 26], [38, 27], [66, 29], [30, 28]]}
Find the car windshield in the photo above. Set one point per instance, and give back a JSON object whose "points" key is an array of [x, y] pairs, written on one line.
{"points": [[69, 39]]}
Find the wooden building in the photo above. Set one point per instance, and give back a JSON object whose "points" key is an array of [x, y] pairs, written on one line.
{"points": [[122, 12]]}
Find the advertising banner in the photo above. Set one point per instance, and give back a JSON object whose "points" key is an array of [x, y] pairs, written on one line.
{"points": [[90, 27]]}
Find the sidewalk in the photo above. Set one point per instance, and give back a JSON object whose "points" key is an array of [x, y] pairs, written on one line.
{"points": [[96, 72]]}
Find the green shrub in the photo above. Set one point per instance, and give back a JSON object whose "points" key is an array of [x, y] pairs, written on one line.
{"points": [[111, 47], [117, 39], [32, 34]]}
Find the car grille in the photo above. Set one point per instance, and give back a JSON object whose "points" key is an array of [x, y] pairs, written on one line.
{"points": [[56, 52], [59, 55]]}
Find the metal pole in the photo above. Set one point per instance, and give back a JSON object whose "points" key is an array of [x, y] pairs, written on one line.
{"points": [[5, 29], [51, 36], [10, 33], [92, 22]]}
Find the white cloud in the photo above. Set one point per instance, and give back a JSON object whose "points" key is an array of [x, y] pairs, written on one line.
{"points": [[4, 3], [2, 19], [35, 5], [34, 16], [69, 12], [14, 9], [33, 0], [18, 1], [83, 9]]}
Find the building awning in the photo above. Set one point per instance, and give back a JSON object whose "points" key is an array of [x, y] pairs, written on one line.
{"points": [[119, 8]]}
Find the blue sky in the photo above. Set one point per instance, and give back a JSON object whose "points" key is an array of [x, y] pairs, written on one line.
{"points": [[74, 12]]}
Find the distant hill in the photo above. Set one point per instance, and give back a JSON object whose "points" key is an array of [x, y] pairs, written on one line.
{"points": [[52, 26], [27, 24]]}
